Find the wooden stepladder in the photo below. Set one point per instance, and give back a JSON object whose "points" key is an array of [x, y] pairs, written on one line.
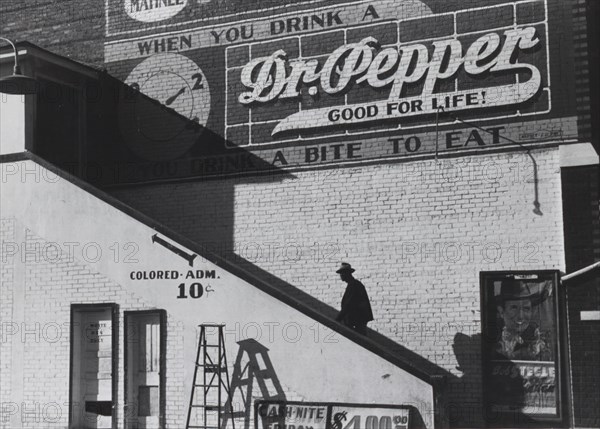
{"points": [[212, 383]]}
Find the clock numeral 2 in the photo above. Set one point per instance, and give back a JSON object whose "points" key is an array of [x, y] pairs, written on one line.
{"points": [[198, 84]]}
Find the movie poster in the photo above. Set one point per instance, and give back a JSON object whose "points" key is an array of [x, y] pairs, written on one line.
{"points": [[521, 345]]}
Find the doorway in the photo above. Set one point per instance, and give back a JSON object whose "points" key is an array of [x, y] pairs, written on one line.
{"points": [[93, 354], [145, 369]]}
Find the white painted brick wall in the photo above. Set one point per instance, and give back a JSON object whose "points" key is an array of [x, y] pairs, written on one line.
{"points": [[6, 287], [418, 234], [53, 282]]}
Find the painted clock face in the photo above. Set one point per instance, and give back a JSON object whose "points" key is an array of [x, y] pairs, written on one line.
{"points": [[166, 121]]}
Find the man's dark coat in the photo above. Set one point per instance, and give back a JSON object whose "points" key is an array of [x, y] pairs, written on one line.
{"points": [[356, 308]]}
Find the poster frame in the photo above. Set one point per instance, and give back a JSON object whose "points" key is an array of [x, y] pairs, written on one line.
{"points": [[500, 418]]}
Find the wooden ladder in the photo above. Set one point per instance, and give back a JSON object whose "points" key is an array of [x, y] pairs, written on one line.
{"points": [[211, 361]]}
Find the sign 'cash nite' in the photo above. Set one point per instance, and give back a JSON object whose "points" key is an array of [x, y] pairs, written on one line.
{"points": [[275, 77]]}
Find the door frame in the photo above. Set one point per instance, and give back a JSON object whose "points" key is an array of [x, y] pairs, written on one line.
{"points": [[162, 388], [114, 310]]}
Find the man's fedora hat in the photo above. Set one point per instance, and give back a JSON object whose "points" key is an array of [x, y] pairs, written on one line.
{"points": [[515, 290], [345, 267]]}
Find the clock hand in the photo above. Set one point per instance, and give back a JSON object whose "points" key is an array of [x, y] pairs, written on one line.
{"points": [[170, 100]]}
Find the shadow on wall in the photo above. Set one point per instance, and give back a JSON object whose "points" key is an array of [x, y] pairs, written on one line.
{"points": [[165, 166], [584, 295], [462, 412], [581, 192], [252, 368], [506, 390], [400, 352], [255, 377], [373, 340]]}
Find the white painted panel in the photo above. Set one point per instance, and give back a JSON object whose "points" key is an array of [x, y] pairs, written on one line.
{"points": [[12, 124], [590, 315], [577, 155]]}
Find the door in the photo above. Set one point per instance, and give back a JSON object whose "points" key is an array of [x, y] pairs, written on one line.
{"points": [[92, 348], [144, 357]]}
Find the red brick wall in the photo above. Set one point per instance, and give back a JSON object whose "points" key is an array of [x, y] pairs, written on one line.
{"points": [[71, 28]]}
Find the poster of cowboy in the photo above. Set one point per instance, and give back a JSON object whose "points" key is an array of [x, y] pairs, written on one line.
{"points": [[521, 352]]}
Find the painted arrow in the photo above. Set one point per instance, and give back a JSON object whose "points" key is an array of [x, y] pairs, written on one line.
{"points": [[188, 257]]}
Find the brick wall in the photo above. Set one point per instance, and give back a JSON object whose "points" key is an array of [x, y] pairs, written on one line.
{"points": [[585, 353], [44, 334], [582, 69], [418, 234], [71, 28], [53, 279], [582, 245], [77, 29], [6, 280]]}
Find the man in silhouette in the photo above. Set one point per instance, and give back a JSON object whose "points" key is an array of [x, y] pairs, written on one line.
{"points": [[356, 309]]}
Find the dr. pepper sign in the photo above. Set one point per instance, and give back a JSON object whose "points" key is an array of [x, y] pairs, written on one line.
{"points": [[385, 78], [275, 77], [391, 76], [308, 415]]}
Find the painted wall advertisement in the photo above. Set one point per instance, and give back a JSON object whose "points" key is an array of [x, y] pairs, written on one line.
{"points": [[336, 82], [522, 355], [306, 415]]}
